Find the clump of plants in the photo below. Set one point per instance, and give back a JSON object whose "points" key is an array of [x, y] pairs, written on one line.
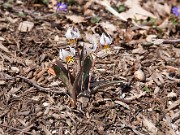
{"points": [[76, 62]]}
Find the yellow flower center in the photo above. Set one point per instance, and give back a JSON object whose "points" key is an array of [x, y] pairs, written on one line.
{"points": [[72, 41], [106, 46], [69, 59]]}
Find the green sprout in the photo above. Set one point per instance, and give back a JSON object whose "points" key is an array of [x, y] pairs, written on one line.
{"points": [[95, 20], [146, 89], [121, 8], [21, 14]]}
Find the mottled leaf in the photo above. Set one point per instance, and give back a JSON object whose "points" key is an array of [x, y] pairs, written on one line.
{"points": [[59, 73], [87, 65], [64, 70], [63, 74]]}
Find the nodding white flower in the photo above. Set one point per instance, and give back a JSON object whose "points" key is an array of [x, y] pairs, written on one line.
{"points": [[105, 40], [90, 48], [72, 33], [67, 56]]}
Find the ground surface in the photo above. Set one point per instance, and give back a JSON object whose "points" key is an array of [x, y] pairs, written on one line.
{"points": [[141, 107]]}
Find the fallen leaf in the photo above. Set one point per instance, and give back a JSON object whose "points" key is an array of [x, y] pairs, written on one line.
{"points": [[110, 28], [150, 126], [75, 18], [136, 11], [138, 50], [164, 24], [51, 71], [162, 9]]}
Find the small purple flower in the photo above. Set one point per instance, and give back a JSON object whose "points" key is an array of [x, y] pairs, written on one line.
{"points": [[61, 6], [176, 11]]}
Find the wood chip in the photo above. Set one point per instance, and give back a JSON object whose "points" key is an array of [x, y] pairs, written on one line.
{"points": [[174, 105], [2, 47], [25, 26], [2, 82]]}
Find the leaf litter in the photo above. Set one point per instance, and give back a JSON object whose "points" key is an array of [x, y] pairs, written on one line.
{"points": [[135, 87]]}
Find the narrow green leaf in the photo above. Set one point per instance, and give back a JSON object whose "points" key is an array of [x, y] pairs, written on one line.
{"points": [[64, 75]]}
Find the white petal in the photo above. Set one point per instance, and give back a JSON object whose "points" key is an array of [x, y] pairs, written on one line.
{"points": [[60, 54], [68, 34], [108, 39], [105, 39], [89, 48], [94, 47], [72, 51], [63, 54], [76, 33], [102, 39]]}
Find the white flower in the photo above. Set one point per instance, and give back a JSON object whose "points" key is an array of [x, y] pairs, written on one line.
{"points": [[105, 40], [90, 48], [72, 33], [67, 56]]}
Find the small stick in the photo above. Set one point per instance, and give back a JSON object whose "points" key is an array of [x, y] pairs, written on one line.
{"points": [[54, 90], [174, 41]]}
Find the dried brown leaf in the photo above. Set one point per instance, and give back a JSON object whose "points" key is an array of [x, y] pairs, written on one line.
{"points": [[150, 126], [136, 11], [75, 18]]}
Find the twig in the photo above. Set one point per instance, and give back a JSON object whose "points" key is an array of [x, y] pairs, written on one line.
{"points": [[54, 90], [173, 105], [174, 41], [21, 130]]}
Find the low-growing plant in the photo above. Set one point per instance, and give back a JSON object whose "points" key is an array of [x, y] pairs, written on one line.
{"points": [[77, 61]]}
